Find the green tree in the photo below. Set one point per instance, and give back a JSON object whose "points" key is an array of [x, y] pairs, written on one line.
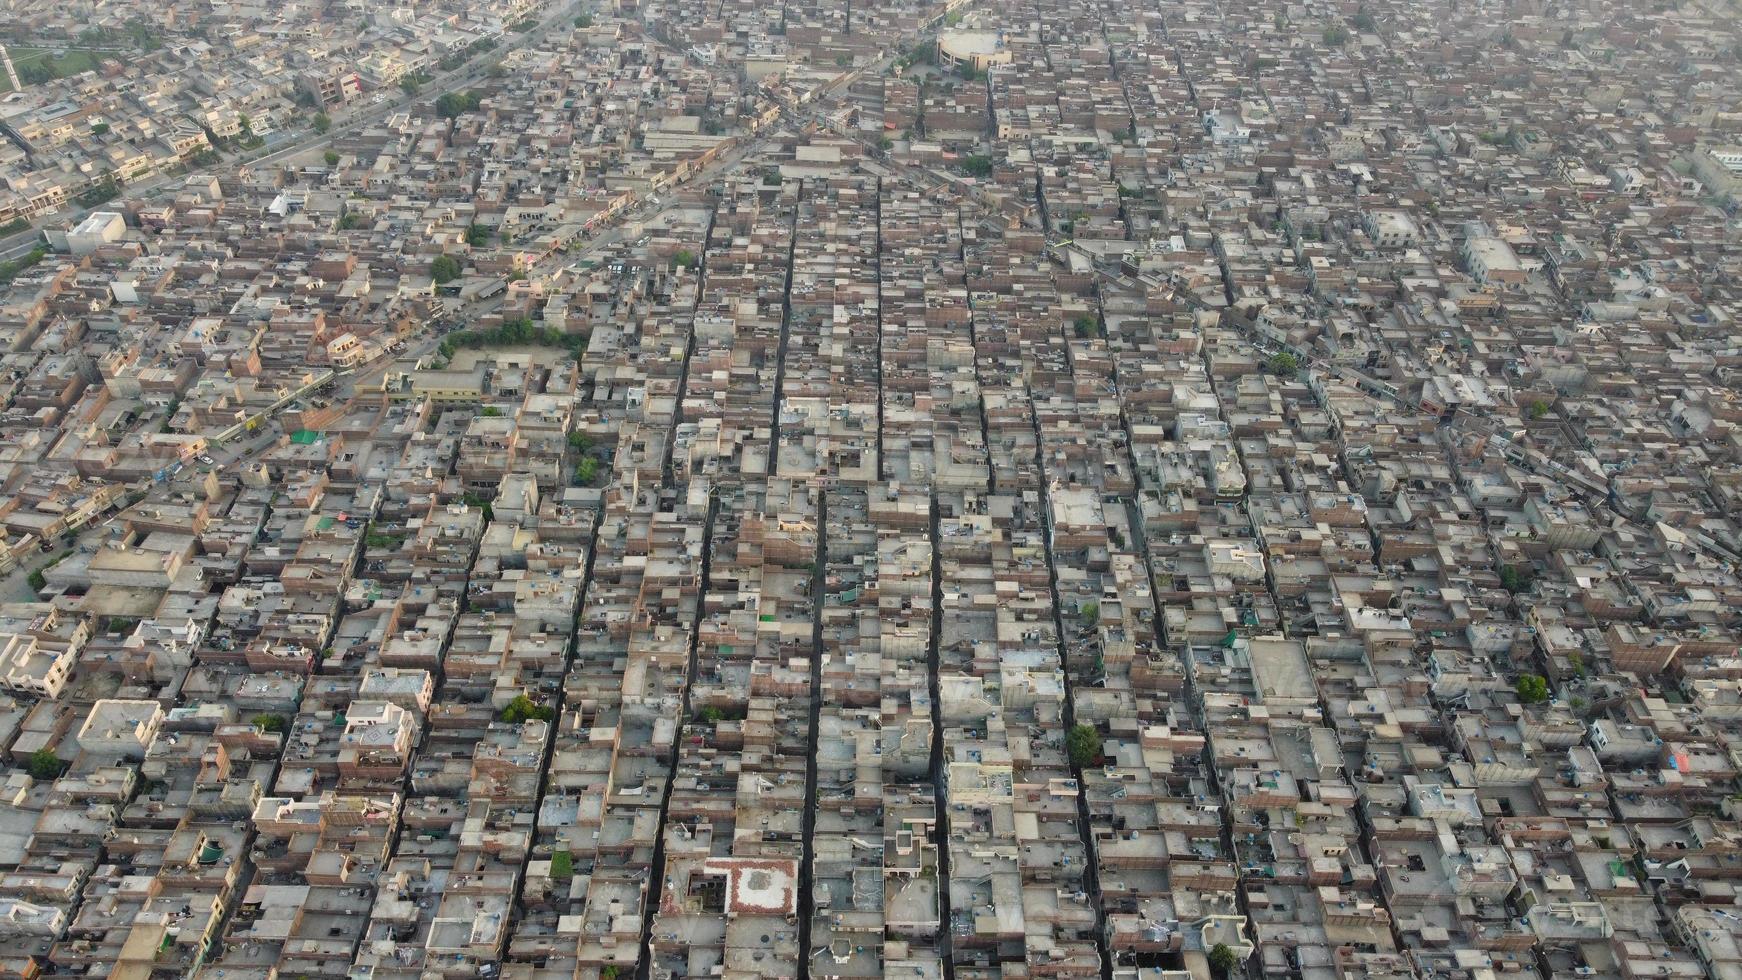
{"points": [[684, 259], [99, 129], [977, 166], [1090, 613], [444, 269], [583, 22], [491, 412], [587, 471], [269, 722], [1336, 35], [522, 709], [1532, 689], [453, 104], [331, 157], [1538, 408], [322, 122], [1283, 365], [1084, 745], [410, 85], [477, 235], [1513, 580], [1086, 326], [712, 715], [1223, 960], [1364, 20], [10, 270], [579, 442], [44, 764]]}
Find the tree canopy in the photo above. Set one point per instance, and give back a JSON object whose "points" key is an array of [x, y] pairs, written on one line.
{"points": [[1084, 745], [1532, 689], [445, 268], [523, 709]]}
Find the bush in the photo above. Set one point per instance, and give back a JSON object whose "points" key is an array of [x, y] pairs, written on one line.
{"points": [[269, 723], [44, 764], [514, 333], [1532, 689], [376, 541], [1084, 745], [100, 193], [37, 580]]}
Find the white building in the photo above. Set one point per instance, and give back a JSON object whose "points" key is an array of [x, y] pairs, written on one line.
{"points": [[28, 667], [98, 229], [120, 728]]}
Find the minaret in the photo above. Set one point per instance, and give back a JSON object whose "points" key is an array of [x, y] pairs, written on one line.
{"points": [[11, 72]]}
